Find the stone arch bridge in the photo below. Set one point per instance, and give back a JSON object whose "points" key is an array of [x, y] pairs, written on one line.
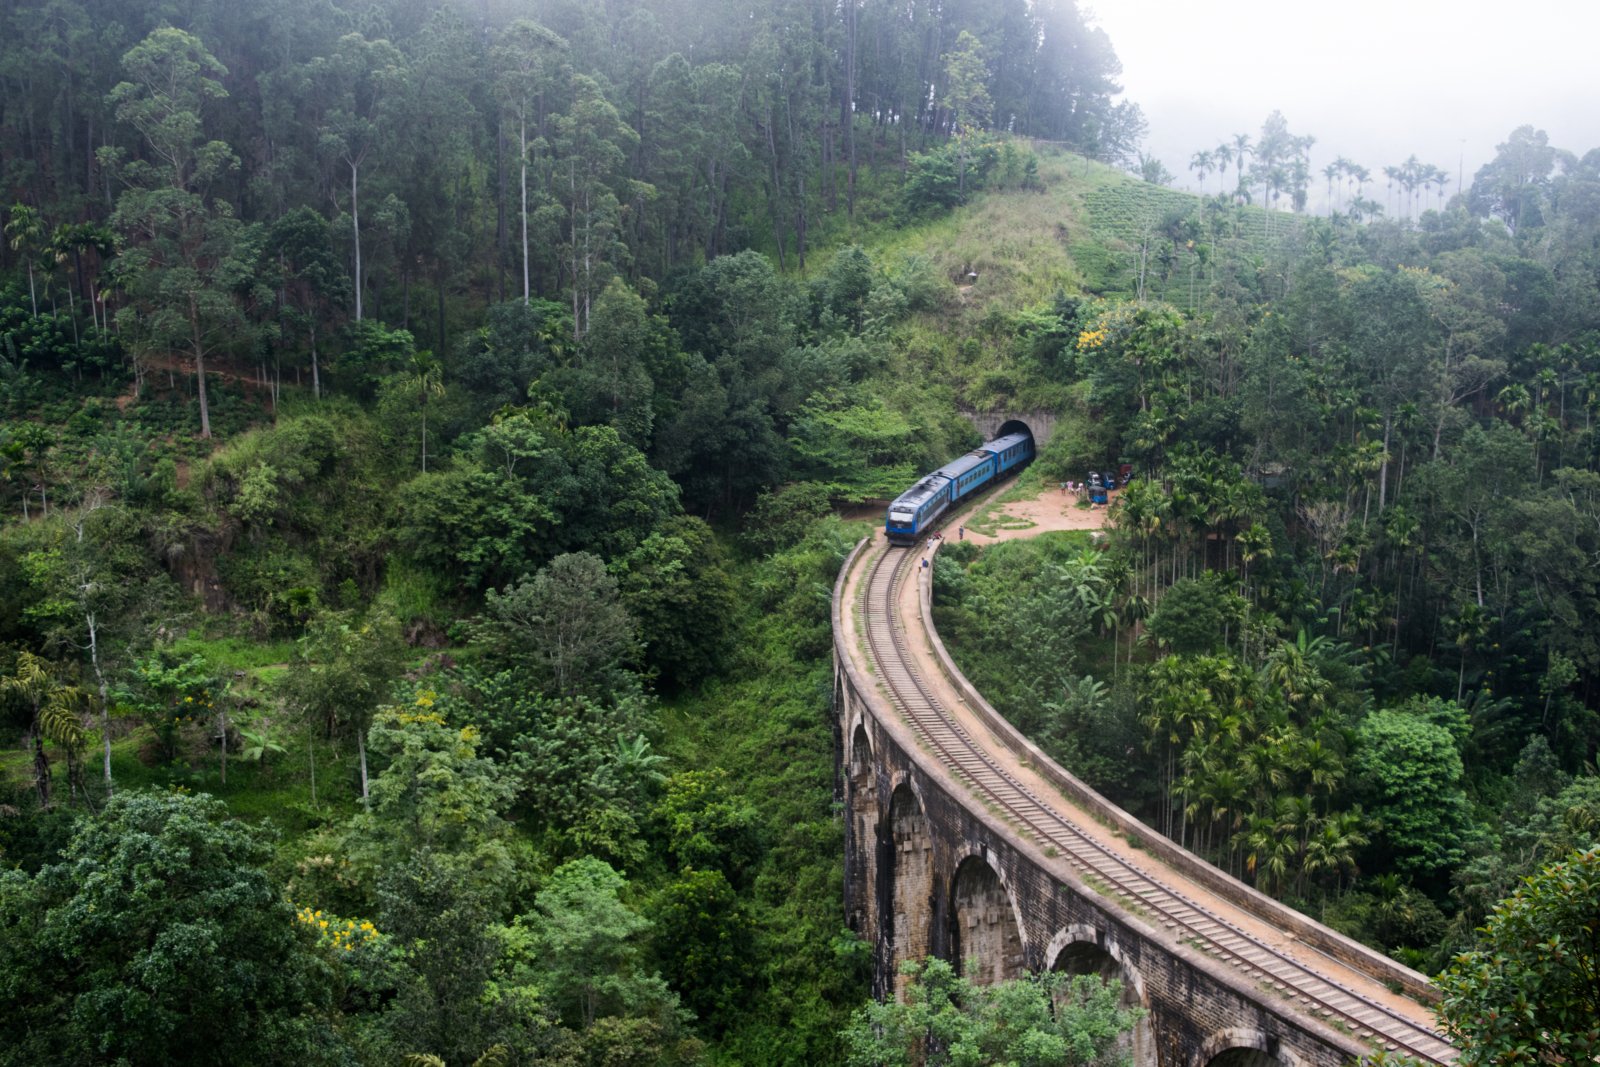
{"points": [[964, 841]]}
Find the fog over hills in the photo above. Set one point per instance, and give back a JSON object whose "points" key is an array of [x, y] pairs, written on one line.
{"points": [[1375, 82]]}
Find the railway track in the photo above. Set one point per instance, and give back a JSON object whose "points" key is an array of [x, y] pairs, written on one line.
{"points": [[1043, 825]]}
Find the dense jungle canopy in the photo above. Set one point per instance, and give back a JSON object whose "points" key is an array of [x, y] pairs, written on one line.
{"points": [[429, 433]]}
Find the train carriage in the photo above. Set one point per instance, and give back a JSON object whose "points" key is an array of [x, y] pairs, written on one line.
{"points": [[916, 511], [1010, 451], [968, 474]]}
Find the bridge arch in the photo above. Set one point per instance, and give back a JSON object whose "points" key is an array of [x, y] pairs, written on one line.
{"points": [[864, 825], [1082, 949], [986, 936], [909, 863], [1240, 1047]]}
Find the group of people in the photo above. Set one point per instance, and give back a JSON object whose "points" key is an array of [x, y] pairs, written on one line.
{"points": [[938, 535]]}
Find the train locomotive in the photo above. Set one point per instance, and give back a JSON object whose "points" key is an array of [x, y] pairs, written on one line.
{"points": [[917, 510]]}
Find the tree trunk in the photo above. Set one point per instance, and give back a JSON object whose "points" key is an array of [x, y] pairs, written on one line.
{"points": [[316, 376], [105, 702], [355, 231], [847, 112], [361, 751], [199, 365], [502, 237], [1383, 472], [776, 192], [440, 281], [524, 143], [41, 768], [311, 752], [572, 232]]}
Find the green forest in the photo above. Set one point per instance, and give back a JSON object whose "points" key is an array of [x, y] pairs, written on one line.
{"points": [[430, 432]]}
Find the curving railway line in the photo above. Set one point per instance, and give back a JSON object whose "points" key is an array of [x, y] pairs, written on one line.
{"points": [[1307, 990]]}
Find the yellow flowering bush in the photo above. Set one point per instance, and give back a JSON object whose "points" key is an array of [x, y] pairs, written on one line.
{"points": [[340, 935], [1091, 338], [175, 696]]}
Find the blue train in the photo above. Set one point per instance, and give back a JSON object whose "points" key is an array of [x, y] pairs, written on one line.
{"points": [[917, 510]]}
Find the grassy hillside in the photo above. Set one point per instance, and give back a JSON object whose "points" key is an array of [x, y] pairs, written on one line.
{"points": [[1090, 232]]}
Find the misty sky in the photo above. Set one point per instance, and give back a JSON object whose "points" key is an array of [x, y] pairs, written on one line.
{"points": [[1373, 80]]}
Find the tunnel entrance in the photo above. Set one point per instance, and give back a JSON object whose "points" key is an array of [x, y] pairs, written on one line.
{"points": [[1015, 426]]}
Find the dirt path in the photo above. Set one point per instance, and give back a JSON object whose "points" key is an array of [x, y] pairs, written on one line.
{"points": [[1047, 511]]}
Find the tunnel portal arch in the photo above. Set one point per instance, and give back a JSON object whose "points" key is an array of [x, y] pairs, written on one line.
{"points": [[1016, 426]]}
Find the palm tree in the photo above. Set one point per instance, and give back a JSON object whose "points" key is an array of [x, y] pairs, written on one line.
{"points": [[1470, 625], [1201, 164], [1361, 176], [1323, 765], [1223, 154], [1267, 852], [1332, 171], [1255, 542], [1332, 849], [1441, 178], [1218, 791], [424, 379], [26, 230], [1292, 670], [53, 714], [1297, 819], [1241, 148]]}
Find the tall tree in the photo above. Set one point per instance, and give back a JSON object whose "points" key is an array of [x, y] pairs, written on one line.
{"points": [[568, 623], [87, 579], [346, 667], [187, 255], [311, 279], [529, 60], [355, 85], [27, 233], [593, 145], [160, 938]]}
